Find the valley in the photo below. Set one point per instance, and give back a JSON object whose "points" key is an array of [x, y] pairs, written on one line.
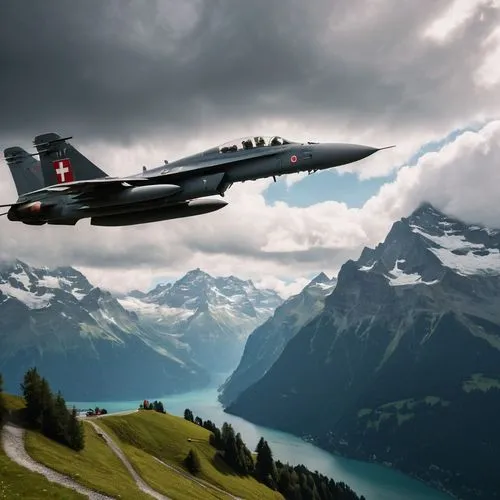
{"points": [[390, 367]]}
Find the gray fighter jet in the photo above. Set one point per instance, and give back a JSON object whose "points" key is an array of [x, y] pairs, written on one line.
{"points": [[65, 186]]}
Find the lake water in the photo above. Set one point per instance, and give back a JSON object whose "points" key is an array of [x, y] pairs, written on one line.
{"points": [[373, 481]]}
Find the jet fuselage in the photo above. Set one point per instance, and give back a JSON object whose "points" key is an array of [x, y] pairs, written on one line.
{"points": [[169, 191]]}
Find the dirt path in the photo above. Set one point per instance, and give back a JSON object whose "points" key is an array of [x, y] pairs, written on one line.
{"points": [[13, 445], [119, 453], [200, 482]]}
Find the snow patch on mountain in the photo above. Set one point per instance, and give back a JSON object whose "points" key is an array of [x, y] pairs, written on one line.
{"points": [[367, 268], [30, 299], [397, 277], [154, 311], [325, 286], [461, 255]]}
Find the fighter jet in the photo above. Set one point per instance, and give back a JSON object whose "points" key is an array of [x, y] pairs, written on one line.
{"points": [[65, 186]]}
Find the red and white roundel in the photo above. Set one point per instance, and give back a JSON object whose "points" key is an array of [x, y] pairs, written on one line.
{"points": [[293, 158]]}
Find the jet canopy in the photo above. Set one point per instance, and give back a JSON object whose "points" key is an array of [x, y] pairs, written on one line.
{"points": [[258, 141]]}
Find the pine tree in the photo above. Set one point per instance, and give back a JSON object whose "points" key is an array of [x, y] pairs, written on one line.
{"points": [[265, 468], [61, 422], [215, 439], [245, 461], [188, 415], [284, 481], [75, 432], [192, 462], [31, 387]]}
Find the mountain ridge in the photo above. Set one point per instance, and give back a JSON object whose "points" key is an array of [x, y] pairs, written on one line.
{"points": [[267, 341], [82, 338]]}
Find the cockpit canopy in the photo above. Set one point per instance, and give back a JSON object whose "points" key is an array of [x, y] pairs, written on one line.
{"points": [[258, 141]]}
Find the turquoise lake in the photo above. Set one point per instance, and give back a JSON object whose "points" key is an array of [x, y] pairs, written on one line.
{"points": [[373, 481]]}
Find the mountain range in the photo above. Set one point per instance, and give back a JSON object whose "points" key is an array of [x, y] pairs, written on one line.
{"points": [[91, 347], [402, 365], [210, 318]]}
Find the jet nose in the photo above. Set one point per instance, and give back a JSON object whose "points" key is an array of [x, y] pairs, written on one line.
{"points": [[336, 154]]}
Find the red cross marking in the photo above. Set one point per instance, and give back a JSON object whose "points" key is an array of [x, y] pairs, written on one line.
{"points": [[63, 170]]}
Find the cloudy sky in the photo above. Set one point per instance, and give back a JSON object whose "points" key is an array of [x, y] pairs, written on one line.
{"points": [[136, 82]]}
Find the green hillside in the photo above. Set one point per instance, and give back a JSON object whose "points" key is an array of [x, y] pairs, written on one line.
{"points": [[18, 482], [166, 437], [139, 435], [95, 467]]}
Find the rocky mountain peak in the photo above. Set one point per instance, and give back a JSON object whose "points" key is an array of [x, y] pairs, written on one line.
{"points": [[37, 287], [428, 245], [321, 278]]}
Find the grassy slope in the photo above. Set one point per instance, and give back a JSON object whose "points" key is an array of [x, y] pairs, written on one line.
{"points": [[95, 467], [166, 437], [140, 436], [18, 482], [166, 481]]}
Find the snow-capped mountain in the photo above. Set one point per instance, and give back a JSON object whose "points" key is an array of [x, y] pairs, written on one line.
{"points": [[266, 343], [210, 317], [82, 339], [402, 365]]}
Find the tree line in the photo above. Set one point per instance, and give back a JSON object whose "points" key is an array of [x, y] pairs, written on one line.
{"points": [[47, 412], [293, 482], [152, 405]]}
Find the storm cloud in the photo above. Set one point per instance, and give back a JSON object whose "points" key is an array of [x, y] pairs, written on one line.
{"points": [[123, 70]]}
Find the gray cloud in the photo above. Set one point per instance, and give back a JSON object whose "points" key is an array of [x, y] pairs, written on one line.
{"points": [[123, 70]]}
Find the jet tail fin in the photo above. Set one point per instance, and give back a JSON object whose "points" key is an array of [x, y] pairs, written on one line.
{"points": [[25, 170], [61, 162]]}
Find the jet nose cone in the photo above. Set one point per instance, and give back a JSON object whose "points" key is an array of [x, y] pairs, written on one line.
{"points": [[334, 155]]}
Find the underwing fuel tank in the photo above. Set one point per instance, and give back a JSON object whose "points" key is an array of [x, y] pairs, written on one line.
{"points": [[193, 207], [137, 195]]}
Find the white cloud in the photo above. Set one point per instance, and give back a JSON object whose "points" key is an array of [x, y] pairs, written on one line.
{"points": [[488, 74], [283, 288], [454, 17], [269, 243]]}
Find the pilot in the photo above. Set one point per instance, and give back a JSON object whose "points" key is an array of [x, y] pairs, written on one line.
{"points": [[276, 141], [260, 142]]}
